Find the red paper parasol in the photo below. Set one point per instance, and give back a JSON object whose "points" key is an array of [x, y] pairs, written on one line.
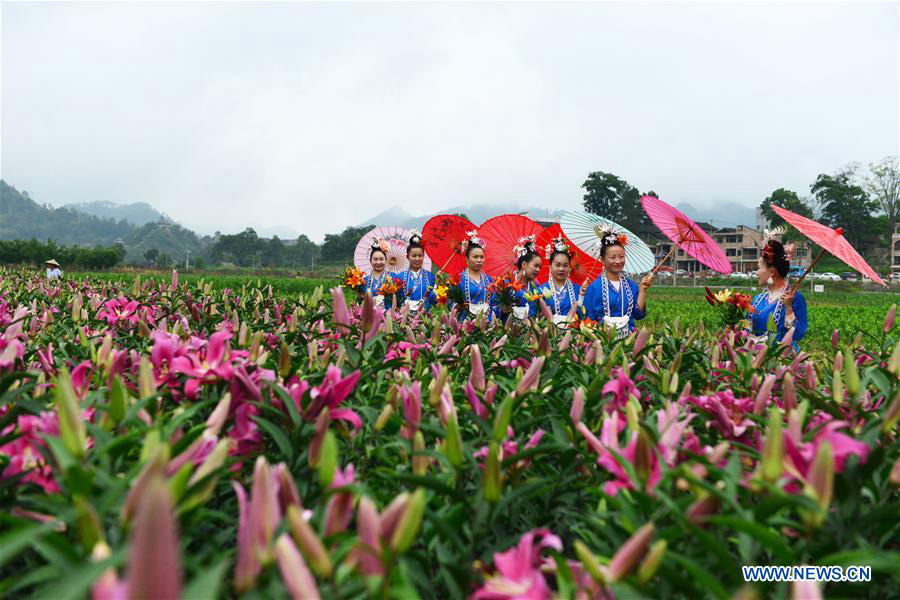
{"points": [[582, 263], [829, 239], [685, 234], [442, 238], [501, 234]]}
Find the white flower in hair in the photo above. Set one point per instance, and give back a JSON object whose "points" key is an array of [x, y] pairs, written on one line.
{"points": [[474, 239], [770, 234], [525, 244], [557, 245]]}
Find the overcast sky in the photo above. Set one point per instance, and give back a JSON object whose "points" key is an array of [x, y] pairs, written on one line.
{"points": [[312, 117]]}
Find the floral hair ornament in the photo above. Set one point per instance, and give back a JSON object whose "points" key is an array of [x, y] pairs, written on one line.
{"points": [[558, 244], [473, 239], [415, 237], [607, 236], [771, 234], [381, 244], [525, 245]]}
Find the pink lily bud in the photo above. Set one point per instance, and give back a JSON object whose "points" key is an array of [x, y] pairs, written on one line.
{"points": [[453, 442], [589, 355], [543, 348], [368, 550], [174, 280], [315, 445], [643, 456], [889, 318], [294, 573], [835, 338], [891, 415], [838, 361], [810, 376], [631, 552], [448, 345], [310, 544], [436, 388], [339, 307], [391, 515], [577, 404], [155, 467], [649, 365], [701, 508], [68, 411], [288, 495], [545, 310], [339, 509], [788, 394], [154, 567], [764, 394], [640, 341], [411, 397], [565, 342], [217, 417], [651, 562], [820, 483], [532, 376], [264, 512], [410, 521], [591, 439], [108, 586], [477, 376]]}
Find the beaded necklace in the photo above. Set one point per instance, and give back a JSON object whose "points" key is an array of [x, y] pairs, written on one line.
{"points": [[624, 286], [480, 285], [557, 293], [375, 284], [417, 281]]}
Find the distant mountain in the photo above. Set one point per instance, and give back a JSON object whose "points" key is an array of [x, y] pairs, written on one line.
{"points": [[477, 213], [137, 213], [23, 218]]}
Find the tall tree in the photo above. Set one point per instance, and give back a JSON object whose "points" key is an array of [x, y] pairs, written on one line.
{"points": [[883, 185], [613, 198], [340, 246], [845, 203], [785, 199]]}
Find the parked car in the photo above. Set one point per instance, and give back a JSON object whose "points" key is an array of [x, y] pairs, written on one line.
{"points": [[739, 275], [681, 273], [848, 276], [895, 276], [829, 276], [796, 271]]}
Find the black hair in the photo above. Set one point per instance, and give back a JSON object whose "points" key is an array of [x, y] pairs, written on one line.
{"points": [[773, 255], [525, 258], [415, 241], [563, 252], [606, 245], [376, 249], [471, 246]]}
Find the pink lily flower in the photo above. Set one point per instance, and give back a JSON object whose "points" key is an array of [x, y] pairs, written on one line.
{"points": [[518, 569], [330, 393], [799, 455], [411, 397], [339, 509], [24, 451]]}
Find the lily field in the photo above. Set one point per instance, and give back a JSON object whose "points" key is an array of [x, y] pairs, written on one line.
{"points": [[226, 437]]}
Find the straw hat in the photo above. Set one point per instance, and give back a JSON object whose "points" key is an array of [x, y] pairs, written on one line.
{"points": [[51, 262]]}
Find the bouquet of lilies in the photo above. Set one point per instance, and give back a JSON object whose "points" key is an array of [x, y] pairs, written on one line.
{"points": [[390, 287], [537, 294], [446, 290], [506, 289], [354, 279], [732, 305]]}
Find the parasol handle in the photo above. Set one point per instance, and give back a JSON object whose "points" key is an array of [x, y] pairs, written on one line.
{"points": [[665, 258], [447, 262], [808, 269]]}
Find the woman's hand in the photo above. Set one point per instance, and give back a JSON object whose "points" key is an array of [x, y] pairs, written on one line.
{"points": [[646, 282], [788, 301]]}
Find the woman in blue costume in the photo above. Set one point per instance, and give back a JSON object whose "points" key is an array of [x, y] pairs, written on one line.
{"points": [[379, 275], [418, 284], [528, 265], [473, 281], [613, 298], [565, 298], [778, 302]]}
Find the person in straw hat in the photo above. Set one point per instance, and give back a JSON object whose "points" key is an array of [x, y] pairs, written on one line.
{"points": [[53, 271]]}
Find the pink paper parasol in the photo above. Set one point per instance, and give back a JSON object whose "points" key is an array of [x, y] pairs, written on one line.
{"points": [[396, 239], [685, 234]]}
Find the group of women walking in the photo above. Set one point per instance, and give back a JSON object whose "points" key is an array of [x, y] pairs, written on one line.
{"points": [[611, 298]]}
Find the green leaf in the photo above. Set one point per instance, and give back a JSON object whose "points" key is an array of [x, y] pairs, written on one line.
{"points": [[281, 440], [207, 583]]}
